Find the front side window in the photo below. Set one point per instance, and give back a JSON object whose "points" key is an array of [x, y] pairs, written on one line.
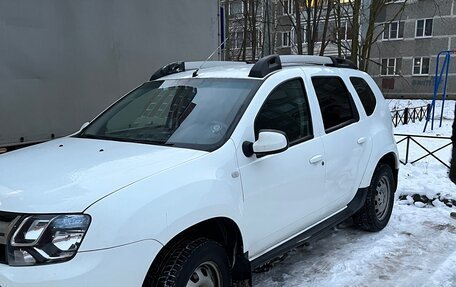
{"points": [[286, 110], [192, 113], [336, 105]]}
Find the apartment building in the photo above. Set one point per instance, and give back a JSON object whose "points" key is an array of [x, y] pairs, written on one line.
{"points": [[276, 29], [403, 60], [244, 22], [286, 40]]}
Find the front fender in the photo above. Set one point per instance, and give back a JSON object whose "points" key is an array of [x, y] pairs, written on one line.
{"points": [[162, 206]]}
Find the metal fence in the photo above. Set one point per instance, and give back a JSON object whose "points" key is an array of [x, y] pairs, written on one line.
{"points": [[404, 116], [409, 138]]}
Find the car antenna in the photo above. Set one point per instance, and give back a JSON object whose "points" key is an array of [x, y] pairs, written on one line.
{"points": [[195, 73]]}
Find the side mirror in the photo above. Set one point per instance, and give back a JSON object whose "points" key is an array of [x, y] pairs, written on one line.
{"points": [[269, 142]]}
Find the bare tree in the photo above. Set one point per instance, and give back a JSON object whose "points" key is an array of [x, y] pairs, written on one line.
{"points": [[324, 41], [365, 31], [227, 44], [243, 23], [298, 26], [371, 35], [350, 26], [311, 11]]}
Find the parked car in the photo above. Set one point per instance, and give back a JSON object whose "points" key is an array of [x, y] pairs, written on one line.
{"points": [[200, 175]]}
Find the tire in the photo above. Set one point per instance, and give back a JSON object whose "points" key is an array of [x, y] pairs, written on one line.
{"points": [[377, 209], [193, 263]]}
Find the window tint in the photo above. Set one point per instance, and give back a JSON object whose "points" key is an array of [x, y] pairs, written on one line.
{"points": [[336, 105], [286, 110], [365, 94]]}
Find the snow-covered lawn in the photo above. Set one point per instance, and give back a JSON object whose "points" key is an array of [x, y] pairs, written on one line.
{"points": [[417, 248]]}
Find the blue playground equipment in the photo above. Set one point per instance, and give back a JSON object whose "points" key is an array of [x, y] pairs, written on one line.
{"points": [[437, 81]]}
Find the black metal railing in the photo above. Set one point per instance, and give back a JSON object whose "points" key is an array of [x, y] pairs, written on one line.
{"points": [[407, 115], [408, 138]]}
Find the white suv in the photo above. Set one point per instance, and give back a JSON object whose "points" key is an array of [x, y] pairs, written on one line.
{"points": [[200, 175]]}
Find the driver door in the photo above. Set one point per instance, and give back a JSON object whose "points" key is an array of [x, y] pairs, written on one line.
{"points": [[284, 192]]}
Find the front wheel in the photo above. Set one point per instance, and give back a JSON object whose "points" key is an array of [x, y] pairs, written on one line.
{"points": [[377, 209], [198, 263]]}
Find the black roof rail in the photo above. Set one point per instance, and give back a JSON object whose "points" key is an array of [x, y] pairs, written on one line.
{"points": [[265, 65], [272, 63], [261, 68], [177, 67], [172, 68], [343, 63]]}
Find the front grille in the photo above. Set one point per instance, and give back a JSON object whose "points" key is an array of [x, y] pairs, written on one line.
{"points": [[3, 257], [7, 216], [7, 223]]}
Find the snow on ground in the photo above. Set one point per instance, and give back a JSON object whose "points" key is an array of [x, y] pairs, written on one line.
{"points": [[417, 248], [428, 176]]}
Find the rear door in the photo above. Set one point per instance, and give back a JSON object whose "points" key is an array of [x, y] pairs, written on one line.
{"points": [[344, 141]]}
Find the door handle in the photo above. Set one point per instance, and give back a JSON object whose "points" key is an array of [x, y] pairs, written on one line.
{"points": [[316, 159], [362, 140]]}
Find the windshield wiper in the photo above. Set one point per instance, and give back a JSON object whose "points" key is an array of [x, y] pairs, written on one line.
{"points": [[89, 136], [98, 137]]}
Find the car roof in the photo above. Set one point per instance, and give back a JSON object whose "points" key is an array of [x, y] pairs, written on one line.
{"points": [[260, 70]]}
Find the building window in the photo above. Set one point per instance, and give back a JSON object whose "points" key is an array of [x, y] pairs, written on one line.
{"points": [[238, 39], [391, 67], [393, 30], [259, 39], [421, 66], [235, 8], [287, 7], [344, 32], [294, 35], [424, 27], [285, 40]]}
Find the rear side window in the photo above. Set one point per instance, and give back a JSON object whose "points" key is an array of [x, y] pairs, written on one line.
{"points": [[336, 105], [365, 94]]}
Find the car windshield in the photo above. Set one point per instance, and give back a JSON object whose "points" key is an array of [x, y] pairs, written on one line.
{"points": [[192, 113]]}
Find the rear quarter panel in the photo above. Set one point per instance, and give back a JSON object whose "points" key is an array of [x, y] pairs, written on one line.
{"points": [[382, 133]]}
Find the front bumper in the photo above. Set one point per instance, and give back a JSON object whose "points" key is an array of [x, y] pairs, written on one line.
{"points": [[120, 266]]}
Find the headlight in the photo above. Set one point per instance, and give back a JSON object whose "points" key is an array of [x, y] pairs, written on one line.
{"points": [[43, 239]]}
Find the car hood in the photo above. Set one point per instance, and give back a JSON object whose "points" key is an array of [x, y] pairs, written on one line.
{"points": [[69, 174]]}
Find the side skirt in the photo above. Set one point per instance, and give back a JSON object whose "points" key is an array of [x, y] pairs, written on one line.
{"points": [[316, 231]]}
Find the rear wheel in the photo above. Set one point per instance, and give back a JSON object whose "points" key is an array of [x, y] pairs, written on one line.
{"points": [[377, 209], [197, 263]]}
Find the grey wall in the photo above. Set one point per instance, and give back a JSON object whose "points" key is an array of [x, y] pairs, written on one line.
{"points": [[64, 61]]}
